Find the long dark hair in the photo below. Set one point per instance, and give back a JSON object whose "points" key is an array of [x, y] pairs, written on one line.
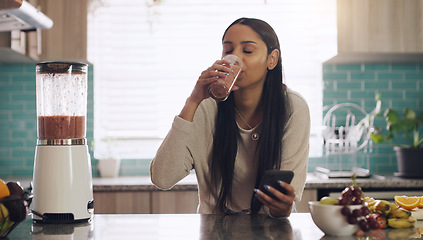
{"points": [[275, 113]]}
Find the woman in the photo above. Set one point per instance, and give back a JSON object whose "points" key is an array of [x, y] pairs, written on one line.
{"points": [[262, 125]]}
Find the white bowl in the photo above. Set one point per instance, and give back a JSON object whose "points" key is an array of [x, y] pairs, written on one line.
{"points": [[330, 219]]}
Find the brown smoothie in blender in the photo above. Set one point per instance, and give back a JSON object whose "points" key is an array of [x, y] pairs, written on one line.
{"points": [[61, 127]]}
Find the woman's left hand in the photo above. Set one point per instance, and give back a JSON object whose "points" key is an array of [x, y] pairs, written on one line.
{"points": [[282, 206]]}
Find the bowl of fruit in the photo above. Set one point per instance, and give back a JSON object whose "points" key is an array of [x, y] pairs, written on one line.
{"points": [[343, 216], [14, 202]]}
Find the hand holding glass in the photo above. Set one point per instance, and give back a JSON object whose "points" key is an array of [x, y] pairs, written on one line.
{"points": [[221, 88]]}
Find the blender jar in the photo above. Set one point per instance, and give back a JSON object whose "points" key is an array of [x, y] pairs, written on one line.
{"points": [[61, 92]]}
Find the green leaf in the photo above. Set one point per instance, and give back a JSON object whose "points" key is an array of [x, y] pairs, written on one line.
{"points": [[377, 138], [409, 114], [395, 127], [391, 116]]}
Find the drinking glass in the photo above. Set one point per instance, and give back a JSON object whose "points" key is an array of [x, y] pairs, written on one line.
{"points": [[221, 88]]}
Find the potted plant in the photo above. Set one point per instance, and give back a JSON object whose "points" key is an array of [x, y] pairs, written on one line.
{"points": [[406, 135], [108, 160]]}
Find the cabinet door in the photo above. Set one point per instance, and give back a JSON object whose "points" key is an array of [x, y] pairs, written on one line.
{"points": [[67, 39], [174, 201], [121, 202], [382, 26]]}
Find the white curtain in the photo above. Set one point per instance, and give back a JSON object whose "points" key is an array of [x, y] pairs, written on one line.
{"points": [[147, 56]]}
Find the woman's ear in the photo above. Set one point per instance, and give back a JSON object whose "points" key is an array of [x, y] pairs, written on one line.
{"points": [[272, 59]]}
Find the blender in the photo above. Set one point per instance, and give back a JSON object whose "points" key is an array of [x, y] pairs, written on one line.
{"points": [[62, 179]]}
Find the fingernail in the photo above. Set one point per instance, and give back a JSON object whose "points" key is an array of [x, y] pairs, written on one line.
{"points": [[266, 187], [255, 190], [280, 182], [216, 77], [226, 74]]}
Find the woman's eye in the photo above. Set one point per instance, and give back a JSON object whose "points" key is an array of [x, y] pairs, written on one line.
{"points": [[247, 50], [228, 52]]}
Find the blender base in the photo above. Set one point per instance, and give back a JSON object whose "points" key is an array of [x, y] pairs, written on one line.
{"points": [[62, 184]]}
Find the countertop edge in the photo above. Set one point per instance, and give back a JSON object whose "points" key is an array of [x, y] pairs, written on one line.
{"points": [[189, 183]]}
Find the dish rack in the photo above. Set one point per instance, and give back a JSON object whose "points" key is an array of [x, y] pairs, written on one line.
{"points": [[346, 134]]}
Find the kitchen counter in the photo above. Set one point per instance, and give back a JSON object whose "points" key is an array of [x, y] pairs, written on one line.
{"points": [[137, 195], [143, 183], [189, 183], [189, 226]]}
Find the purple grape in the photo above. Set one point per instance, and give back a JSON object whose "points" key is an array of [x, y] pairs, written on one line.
{"points": [[356, 213], [363, 225], [370, 219], [345, 211], [358, 201], [365, 211], [374, 225], [347, 193], [351, 219], [342, 201], [356, 191]]}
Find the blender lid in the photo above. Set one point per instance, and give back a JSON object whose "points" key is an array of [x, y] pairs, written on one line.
{"points": [[61, 67]]}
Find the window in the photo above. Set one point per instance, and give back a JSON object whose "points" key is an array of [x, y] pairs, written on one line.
{"points": [[147, 56]]}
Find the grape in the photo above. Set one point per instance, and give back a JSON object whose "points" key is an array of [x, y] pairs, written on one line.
{"points": [[342, 201], [362, 216], [356, 191], [370, 219], [374, 225], [347, 193], [356, 213], [358, 201], [351, 219], [365, 210], [363, 225], [345, 211]]}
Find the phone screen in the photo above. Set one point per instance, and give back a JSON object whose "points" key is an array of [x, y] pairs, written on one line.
{"points": [[271, 178]]}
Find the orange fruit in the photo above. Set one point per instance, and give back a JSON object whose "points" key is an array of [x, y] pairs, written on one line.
{"points": [[420, 203], [408, 203], [4, 190]]}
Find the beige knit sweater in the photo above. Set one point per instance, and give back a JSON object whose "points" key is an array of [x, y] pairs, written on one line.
{"points": [[188, 146]]}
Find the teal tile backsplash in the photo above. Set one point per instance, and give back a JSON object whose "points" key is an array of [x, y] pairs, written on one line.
{"points": [[18, 124], [400, 85]]}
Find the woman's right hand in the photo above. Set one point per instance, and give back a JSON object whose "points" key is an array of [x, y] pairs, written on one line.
{"points": [[219, 69], [200, 92]]}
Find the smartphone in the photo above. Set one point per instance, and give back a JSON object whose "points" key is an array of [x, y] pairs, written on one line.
{"points": [[271, 178]]}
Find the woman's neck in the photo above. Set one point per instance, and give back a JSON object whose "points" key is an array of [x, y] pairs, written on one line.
{"points": [[249, 106]]}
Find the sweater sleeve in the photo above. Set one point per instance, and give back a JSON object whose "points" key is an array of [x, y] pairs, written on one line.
{"points": [[186, 145], [173, 160], [296, 143]]}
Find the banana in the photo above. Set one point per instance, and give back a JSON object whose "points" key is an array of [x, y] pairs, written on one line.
{"points": [[5, 223], [4, 213], [399, 213], [382, 206], [370, 201], [401, 222]]}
